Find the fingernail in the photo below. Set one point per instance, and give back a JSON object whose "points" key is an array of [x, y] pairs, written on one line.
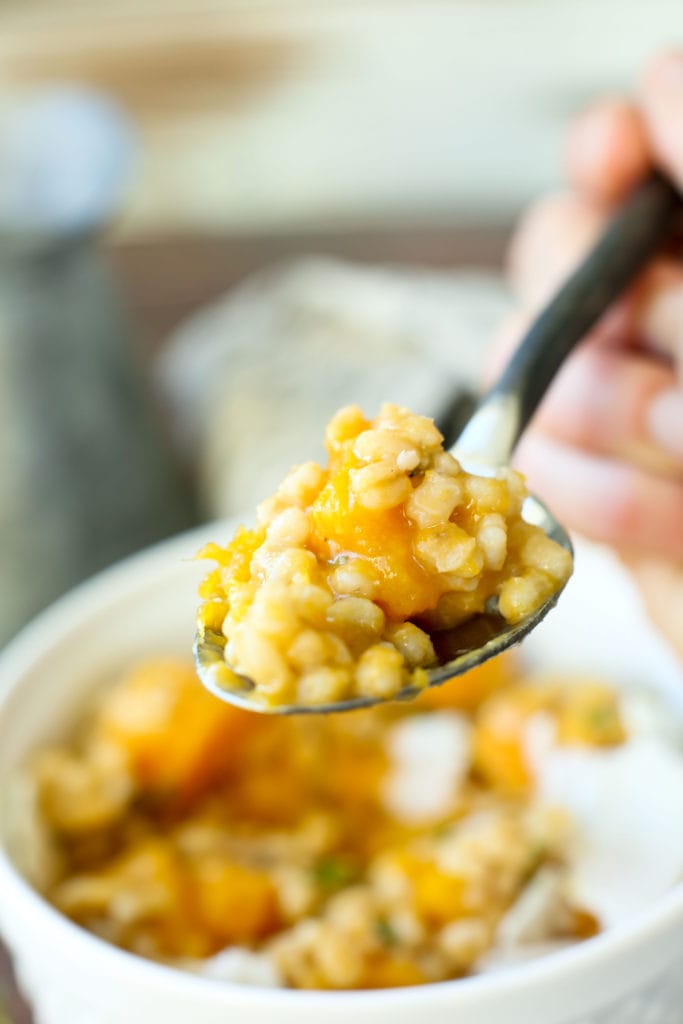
{"points": [[665, 421]]}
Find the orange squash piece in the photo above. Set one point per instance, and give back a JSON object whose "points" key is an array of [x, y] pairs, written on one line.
{"points": [[176, 736]]}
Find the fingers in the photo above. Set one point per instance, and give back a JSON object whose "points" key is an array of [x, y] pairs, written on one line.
{"points": [[658, 310], [616, 411], [614, 399], [614, 143], [550, 240], [608, 151], [615, 403], [605, 499], [665, 422], [662, 107], [611, 146]]}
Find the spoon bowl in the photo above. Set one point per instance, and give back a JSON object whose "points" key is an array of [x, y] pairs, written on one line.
{"points": [[489, 438], [459, 650]]}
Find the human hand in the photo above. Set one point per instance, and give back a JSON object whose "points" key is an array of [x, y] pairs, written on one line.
{"points": [[606, 448]]}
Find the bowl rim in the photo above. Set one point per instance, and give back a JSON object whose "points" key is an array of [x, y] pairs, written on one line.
{"points": [[109, 586]]}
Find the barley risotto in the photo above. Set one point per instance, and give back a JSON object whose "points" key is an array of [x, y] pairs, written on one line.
{"points": [[337, 591], [393, 846]]}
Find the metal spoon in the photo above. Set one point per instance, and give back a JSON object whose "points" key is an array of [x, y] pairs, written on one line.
{"points": [[490, 436]]}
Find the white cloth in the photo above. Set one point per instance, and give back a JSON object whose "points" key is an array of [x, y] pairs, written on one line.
{"points": [[252, 380]]}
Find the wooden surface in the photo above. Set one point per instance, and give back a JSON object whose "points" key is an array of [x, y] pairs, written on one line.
{"points": [[164, 280]]}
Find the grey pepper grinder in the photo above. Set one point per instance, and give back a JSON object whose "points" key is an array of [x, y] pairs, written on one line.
{"points": [[85, 476]]}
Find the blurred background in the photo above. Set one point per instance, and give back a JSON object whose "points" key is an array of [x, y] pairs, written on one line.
{"points": [[220, 220]]}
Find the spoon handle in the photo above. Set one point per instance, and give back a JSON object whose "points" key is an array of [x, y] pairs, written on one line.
{"points": [[630, 238]]}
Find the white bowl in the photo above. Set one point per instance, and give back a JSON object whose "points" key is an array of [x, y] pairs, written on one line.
{"points": [[629, 975]]}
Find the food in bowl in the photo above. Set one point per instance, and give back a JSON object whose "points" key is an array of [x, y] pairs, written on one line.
{"points": [[336, 592], [398, 845]]}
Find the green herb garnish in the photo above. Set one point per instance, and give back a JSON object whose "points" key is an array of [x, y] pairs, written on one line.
{"points": [[385, 932], [334, 872]]}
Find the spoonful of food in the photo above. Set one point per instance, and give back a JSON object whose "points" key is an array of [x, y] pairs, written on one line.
{"points": [[402, 564]]}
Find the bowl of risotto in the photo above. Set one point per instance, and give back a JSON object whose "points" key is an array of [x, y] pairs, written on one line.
{"points": [[505, 848]]}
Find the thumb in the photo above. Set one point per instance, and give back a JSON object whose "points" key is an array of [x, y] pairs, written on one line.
{"points": [[662, 105]]}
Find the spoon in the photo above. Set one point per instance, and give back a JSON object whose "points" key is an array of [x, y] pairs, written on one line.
{"points": [[489, 438]]}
